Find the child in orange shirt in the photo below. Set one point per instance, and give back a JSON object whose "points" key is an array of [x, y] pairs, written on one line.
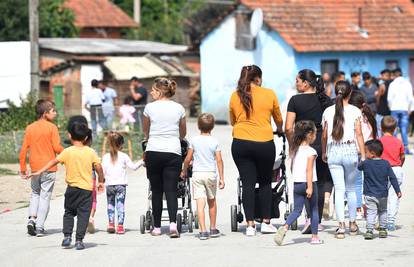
{"points": [[42, 140]]}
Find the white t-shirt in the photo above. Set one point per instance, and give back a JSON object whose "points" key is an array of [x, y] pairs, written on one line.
{"points": [[164, 135], [94, 97], [300, 163], [204, 157], [115, 174], [351, 115]]}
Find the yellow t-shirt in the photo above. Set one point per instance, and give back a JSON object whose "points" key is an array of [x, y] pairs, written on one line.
{"points": [[78, 163], [258, 127]]}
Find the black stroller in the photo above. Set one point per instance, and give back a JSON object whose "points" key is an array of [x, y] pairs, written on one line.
{"points": [[280, 192], [185, 215]]}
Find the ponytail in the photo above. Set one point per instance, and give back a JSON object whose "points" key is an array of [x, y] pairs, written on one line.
{"points": [[358, 99], [316, 82], [247, 76], [116, 141], [342, 90]]}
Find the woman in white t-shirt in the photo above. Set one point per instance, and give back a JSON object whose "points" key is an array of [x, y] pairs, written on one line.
{"points": [[164, 126], [341, 138]]}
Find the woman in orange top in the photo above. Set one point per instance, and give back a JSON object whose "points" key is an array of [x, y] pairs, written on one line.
{"points": [[253, 149]]}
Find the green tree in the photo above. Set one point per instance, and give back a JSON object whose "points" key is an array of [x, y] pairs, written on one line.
{"points": [[161, 20], [54, 20]]}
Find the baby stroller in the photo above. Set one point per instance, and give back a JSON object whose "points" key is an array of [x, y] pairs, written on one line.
{"points": [[185, 215], [280, 192]]}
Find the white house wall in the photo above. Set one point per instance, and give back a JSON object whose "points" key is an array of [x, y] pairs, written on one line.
{"points": [[14, 72], [221, 64]]}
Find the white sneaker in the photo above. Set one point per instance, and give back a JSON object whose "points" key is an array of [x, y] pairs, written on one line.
{"points": [[250, 231], [268, 228]]}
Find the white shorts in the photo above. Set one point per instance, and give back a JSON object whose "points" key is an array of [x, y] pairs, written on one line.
{"points": [[204, 185]]}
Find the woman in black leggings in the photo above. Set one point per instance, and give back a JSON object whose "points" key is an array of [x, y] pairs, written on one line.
{"points": [[309, 104], [253, 149], [164, 125]]}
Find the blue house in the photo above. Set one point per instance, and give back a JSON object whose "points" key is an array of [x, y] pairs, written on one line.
{"points": [[324, 35]]}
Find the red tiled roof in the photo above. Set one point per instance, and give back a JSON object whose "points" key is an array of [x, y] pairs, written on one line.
{"points": [[331, 25], [98, 13]]}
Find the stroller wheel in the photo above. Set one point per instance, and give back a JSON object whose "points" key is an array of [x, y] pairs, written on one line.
{"points": [[196, 226], [148, 220], [185, 217], [179, 222], [190, 222], [234, 218], [142, 224], [294, 225]]}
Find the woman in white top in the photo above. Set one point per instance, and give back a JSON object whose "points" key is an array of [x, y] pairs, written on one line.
{"points": [[163, 126], [341, 138]]}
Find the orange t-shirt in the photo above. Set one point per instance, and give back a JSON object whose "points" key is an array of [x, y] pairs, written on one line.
{"points": [[42, 140], [258, 126]]}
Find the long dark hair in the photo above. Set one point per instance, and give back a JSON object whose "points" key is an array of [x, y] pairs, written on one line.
{"points": [[358, 99], [248, 74], [316, 82], [301, 131], [342, 90]]}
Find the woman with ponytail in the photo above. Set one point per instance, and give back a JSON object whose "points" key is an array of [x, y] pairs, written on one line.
{"points": [[341, 139], [251, 109], [114, 165], [164, 126], [309, 104], [369, 131]]}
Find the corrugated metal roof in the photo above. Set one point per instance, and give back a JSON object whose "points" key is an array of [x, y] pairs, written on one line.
{"points": [[96, 46], [123, 68]]}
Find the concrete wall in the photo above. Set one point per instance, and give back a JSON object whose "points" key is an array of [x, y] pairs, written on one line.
{"points": [[221, 64]]}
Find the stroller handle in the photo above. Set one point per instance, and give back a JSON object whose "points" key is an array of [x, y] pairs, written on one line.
{"points": [[282, 135]]}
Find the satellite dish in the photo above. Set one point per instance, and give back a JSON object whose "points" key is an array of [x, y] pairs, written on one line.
{"points": [[256, 22]]}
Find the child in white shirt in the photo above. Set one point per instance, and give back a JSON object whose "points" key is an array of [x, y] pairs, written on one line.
{"points": [[206, 156], [114, 166]]}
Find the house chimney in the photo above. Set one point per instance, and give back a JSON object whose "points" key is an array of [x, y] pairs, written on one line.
{"points": [[137, 12], [360, 17]]}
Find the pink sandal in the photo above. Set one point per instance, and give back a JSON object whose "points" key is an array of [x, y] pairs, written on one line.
{"points": [[316, 241]]}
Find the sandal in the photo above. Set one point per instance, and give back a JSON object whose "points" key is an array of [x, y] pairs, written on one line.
{"points": [[316, 241], [340, 233], [353, 229]]}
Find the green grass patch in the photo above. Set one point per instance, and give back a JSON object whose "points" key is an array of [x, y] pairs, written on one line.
{"points": [[4, 171]]}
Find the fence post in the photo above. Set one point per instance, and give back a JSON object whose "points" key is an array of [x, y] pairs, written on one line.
{"points": [[58, 97]]}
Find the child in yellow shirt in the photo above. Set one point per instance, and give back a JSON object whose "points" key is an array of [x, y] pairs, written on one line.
{"points": [[78, 160]]}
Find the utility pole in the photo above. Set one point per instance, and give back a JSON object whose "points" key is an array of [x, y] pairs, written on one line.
{"points": [[34, 46], [137, 12]]}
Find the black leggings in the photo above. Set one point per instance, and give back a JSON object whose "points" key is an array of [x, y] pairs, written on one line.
{"points": [[163, 171], [255, 160], [325, 184]]}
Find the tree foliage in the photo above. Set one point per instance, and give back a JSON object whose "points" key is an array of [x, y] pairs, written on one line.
{"points": [[161, 20], [54, 20]]}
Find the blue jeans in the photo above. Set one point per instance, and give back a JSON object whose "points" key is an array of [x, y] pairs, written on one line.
{"points": [[359, 182], [299, 197], [402, 121], [343, 162], [379, 118]]}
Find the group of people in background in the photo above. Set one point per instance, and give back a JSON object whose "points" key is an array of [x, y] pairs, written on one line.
{"points": [[388, 94], [334, 138], [102, 103]]}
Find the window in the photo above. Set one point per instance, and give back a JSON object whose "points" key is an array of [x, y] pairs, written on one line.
{"points": [[244, 39], [329, 66], [391, 64]]}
